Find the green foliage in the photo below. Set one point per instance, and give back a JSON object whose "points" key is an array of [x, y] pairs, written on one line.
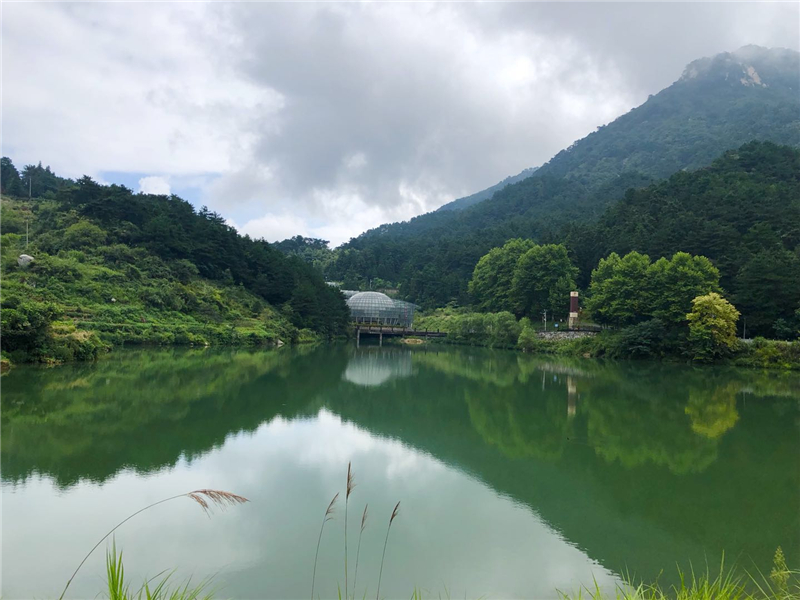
{"points": [[10, 183], [712, 327], [768, 290], [157, 588], [768, 354], [490, 286], [742, 212], [148, 269], [703, 212], [83, 234], [648, 339], [676, 282], [617, 293], [629, 290], [314, 251], [499, 330], [543, 279]]}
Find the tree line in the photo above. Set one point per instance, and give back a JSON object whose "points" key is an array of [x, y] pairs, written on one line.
{"points": [[742, 212]]}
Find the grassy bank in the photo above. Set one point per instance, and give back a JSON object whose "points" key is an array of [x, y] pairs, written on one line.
{"points": [[780, 584], [648, 340], [84, 292]]}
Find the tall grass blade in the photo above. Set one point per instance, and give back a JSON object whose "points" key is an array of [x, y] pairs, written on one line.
{"points": [[326, 517], [358, 550], [205, 498], [350, 485], [385, 542]]}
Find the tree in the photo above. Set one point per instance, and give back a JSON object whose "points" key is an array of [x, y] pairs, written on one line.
{"points": [[490, 286], [712, 327], [677, 281], [83, 234], [768, 289], [540, 275], [9, 178], [620, 292]]}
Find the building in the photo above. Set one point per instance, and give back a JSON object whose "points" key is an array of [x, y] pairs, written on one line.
{"points": [[378, 309]]}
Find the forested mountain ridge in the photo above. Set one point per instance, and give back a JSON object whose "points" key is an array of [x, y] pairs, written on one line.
{"points": [[719, 103], [472, 199], [145, 268], [742, 212]]}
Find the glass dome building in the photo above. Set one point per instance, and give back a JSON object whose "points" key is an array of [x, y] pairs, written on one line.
{"points": [[379, 309]]}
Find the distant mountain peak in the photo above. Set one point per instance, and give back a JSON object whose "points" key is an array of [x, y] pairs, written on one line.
{"points": [[749, 66]]}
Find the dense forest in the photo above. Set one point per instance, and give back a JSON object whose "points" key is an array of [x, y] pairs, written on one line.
{"points": [[717, 105], [742, 212], [142, 268]]}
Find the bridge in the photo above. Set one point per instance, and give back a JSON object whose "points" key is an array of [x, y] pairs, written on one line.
{"points": [[390, 330]]}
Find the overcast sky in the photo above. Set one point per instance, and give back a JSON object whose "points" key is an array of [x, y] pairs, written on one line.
{"points": [[327, 119]]}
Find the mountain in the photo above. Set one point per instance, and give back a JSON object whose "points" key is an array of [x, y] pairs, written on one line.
{"points": [[717, 104], [462, 203]]}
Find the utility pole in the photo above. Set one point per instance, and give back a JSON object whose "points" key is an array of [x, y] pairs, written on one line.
{"points": [[544, 318], [30, 185], [26, 233], [744, 332]]}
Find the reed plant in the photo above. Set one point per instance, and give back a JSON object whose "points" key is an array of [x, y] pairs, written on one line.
{"points": [[205, 498], [358, 549], [385, 542], [326, 517], [351, 484]]}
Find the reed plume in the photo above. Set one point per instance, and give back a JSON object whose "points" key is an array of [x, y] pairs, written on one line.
{"points": [[358, 550], [327, 517], [205, 498], [385, 542], [350, 485]]}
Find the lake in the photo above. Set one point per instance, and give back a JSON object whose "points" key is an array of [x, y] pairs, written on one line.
{"points": [[517, 475]]}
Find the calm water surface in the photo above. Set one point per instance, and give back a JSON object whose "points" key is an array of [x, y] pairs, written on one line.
{"points": [[518, 475]]}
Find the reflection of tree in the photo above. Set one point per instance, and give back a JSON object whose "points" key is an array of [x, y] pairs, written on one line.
{"points": [[715, 413], [521, 421], [621, 431], [143, 410], [490, 366], [634, 418]]}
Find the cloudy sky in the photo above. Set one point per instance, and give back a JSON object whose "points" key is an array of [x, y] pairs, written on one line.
{"points": [[326, 119]]}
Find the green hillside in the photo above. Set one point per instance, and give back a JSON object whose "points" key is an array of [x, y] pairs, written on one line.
{"points": [[719, 103], [113, 267], [742, 212]]}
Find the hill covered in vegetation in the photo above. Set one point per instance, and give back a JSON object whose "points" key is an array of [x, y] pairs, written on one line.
{"points": [[111, 266], [742, 212], [718, 104]]}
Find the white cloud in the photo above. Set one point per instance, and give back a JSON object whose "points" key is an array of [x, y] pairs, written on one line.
{"points": [[154, 185], [274, 227], [331, 118]]}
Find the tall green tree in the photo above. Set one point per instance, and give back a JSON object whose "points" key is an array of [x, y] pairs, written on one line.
{"points": [[677, 281], [620, 292], [712, 327], [9, 178], [768, 289], [491, 283], [542, 280]]}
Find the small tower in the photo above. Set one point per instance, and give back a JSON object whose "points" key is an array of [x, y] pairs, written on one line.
{"points": [[573, 310]]}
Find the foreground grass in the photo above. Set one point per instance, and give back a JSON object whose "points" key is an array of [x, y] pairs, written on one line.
{"points": [[728, 584]]}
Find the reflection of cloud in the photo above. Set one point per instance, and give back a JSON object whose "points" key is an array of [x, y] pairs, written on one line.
{"points": [[369, 368]]}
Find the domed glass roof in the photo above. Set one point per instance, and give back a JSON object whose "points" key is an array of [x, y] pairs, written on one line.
{"points": [[373, 307], [370, 301]]}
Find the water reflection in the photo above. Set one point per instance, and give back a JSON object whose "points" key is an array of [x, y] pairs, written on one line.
{"points": [[601, 467], [372, 367]]}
